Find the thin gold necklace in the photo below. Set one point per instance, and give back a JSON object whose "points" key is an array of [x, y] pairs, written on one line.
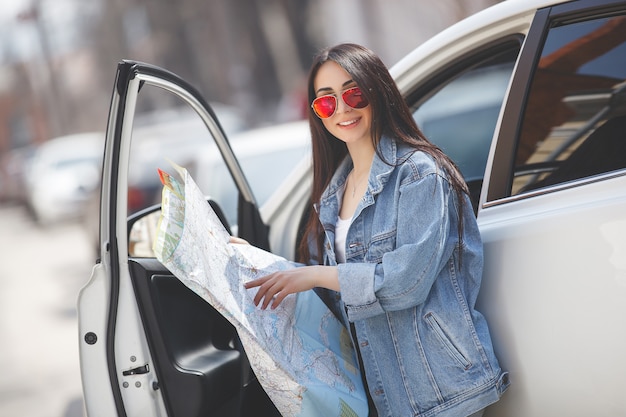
{"points": [[354, 183]]}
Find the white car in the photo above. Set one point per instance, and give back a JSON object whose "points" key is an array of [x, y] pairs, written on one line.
{"points": [[528, 98], [62, 174]]}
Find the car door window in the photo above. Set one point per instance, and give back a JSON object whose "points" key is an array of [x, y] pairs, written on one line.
{"points": [[176, 133], [459, 115], [575, 117], [173, 133]]}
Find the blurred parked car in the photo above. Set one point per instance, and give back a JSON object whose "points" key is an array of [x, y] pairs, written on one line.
{"points": [[529, 98], [62, 174]]}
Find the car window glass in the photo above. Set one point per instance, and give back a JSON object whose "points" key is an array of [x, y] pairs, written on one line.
{"points": [[176, 133], [575, 115], [264, 169], [460, 115], [166, 129], [173, 132]]}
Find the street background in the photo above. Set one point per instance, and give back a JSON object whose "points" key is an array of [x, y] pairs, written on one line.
{"points": [[41, 272], [57, 66]]}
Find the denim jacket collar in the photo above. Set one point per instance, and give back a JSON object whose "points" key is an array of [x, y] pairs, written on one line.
{"points": [[379, 172]]}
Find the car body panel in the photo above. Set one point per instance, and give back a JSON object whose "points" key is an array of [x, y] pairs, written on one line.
{"points": [[552, 290], [93, 306], [556, 304]]}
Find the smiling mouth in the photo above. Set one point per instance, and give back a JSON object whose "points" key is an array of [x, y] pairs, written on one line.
{"points": [[348, 122]]}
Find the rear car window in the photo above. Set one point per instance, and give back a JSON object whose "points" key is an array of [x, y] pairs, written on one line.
{"points": [[574, 125]]}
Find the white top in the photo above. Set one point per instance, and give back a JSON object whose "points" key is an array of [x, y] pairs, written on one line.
{"points": [[341, 233]]}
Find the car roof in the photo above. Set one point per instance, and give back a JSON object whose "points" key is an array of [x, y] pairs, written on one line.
{"points": [[507, 17], [65, 147]]}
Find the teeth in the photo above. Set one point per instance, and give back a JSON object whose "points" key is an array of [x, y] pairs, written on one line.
{"points": [[349, 122]]}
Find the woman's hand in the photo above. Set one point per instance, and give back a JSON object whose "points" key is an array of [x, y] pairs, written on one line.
{"points": [[275, 287]]}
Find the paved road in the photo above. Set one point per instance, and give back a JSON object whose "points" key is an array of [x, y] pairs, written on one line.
{"points": [[41, 272]]}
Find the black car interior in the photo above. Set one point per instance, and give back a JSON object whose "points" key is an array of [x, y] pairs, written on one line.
{"points": [[202, 368]]}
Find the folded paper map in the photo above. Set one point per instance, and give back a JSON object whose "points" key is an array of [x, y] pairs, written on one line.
{"points": [[300, 352]]}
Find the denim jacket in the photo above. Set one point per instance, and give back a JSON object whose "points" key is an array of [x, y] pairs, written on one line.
{"points": [[426, 351]]}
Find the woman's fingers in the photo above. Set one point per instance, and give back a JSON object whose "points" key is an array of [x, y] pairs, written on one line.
{"points": [[275, 287], [256, 282], [266, 289], [265, 293]]}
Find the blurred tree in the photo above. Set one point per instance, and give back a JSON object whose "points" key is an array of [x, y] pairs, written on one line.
{"points": [[253, 54], [297, 13]]}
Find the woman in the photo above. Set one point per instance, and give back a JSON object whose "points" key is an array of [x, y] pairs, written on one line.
{"points": [[394, 248]]}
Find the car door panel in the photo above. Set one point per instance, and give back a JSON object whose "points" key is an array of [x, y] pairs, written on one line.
{"points": [[194, 347], [98, 393], [553, 287], [167, 351], [545, 304]]}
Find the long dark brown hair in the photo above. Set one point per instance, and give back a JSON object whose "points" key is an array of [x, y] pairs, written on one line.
{"points": [[391, 117]]}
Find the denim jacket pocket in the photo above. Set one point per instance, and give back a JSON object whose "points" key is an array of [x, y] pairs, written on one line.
{"points": [[379, 245], [445, 340]]}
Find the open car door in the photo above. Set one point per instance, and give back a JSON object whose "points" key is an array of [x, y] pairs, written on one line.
{"points": [[149, 346]]}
